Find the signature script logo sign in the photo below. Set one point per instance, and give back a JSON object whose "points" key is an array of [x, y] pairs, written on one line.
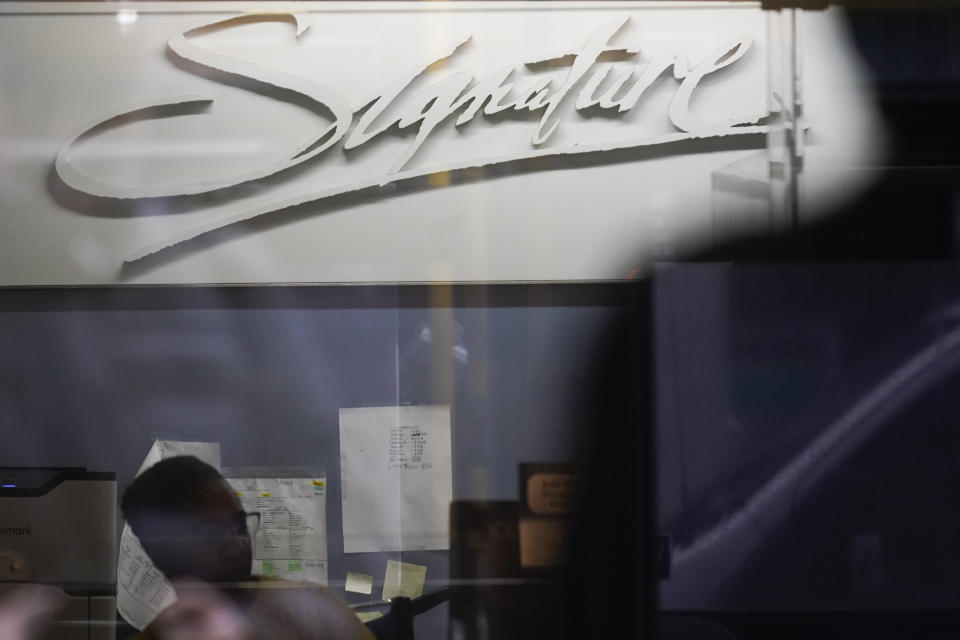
{"points": [[458, 94]]}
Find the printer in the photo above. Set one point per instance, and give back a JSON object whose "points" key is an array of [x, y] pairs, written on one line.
{"points": [[58, 527]]}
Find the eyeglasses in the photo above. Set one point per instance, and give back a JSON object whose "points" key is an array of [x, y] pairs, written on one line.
{"points": [[242, 524]]}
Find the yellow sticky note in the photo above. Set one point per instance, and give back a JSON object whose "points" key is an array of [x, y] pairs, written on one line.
{"points": [[359, 583], [264, 495], [367, 616], [403, 579]]}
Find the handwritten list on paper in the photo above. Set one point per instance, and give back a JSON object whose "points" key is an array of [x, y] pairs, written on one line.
{"points": [[407, 446], [396, 478]]}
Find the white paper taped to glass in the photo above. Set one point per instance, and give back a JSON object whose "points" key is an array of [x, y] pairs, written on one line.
{"points": [[396, 478], [287, 521]]}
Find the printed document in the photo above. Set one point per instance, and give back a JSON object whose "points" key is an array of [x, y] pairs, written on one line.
{"points": [[288, 525]]}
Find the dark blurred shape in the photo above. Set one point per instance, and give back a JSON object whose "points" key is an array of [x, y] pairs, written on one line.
{"points": [[488, 598], [900, 481], [189, 521], [610, 587], [26, 609], [397, 623]]}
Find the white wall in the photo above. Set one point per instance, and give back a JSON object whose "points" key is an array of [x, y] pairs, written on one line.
{"points": [[573, 217]]}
